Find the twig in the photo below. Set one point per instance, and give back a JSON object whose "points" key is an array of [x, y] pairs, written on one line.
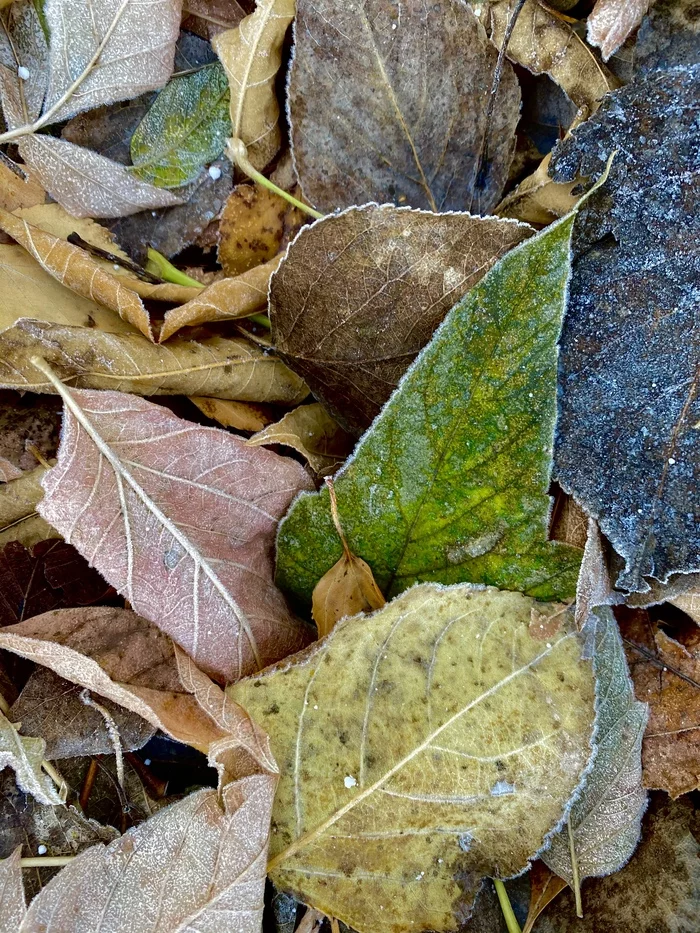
{"points": [[37, 454], [88, 784], [46, 861]]}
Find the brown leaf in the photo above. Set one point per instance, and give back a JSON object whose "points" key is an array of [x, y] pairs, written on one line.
{"points": [[544, 887], [666, 675], [243, 416], [12, 903], [613, 21], [8, 471], [252, 226], [375, 271], [312, 432], [207, 18], [427, 135], [77, 270], [537, 199], [231, 368], [183, 525], [223, 300], [19, 520], [569, 522]]}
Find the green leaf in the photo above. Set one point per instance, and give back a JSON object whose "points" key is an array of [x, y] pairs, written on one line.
{"points": [[186, 127], [421, 748], [450, 482]]}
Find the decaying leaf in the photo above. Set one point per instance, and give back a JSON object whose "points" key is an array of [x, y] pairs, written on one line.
{"points": [[19, 520], [387, 818], [605, 820], [612, 21], [221, 366], [197, 864], [243, 416], [375, 271], [544, 887], [658, 892], [223, 300], [428, 136], [77, 270], [186, 127], [312, 432], [108, 130], [25, 755], [122, 492], [252, 54], [252, 226], [450, 483], [631, 456], [12, 903], [666, 675]]}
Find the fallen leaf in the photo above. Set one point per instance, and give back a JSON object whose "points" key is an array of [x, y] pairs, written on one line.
{"points": [[657, 892], [51, 575], [544, 887], [605, 820], [28, 424], [666, 675], [227, 367], [252, 227], [411, 766], [314, 434], [630, 456], [612, 21], [252, 55], [77, 270], [668, 36], [375, 271], [87, 184], [16, 191], [203, 574], [690, 604], [52, 708], [108, 130], [18, 516], [25, 755], [385, 143], [23, 45], [223, 300], [186, 127], [243, 416], [207, 18], [450, 483], [537, 199], [12, 903], [8, 471]]}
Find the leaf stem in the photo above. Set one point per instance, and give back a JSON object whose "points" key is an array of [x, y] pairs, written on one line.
{"points": [[504, 901], [262, 319], [167, 271], [574, 870], [238, 154], [46, 861]]}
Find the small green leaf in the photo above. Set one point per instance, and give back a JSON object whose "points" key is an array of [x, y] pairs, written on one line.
{"points": [[450, 482], [186, 127]]}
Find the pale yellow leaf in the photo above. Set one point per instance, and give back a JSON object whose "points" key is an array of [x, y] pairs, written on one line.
{"points": [[92, 359], [243, 416], [24, 755], [312, 432], [252, 54], [421, 748]]}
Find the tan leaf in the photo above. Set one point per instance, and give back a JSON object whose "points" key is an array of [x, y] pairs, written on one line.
{"points": [[690, 604], [252, 54], [243, 416], [312, 432], [92, 359], [371, 271], [19, 520], [12, 904], [537, 199], [198, 864], [569, 522], [88, 184], [181, 520], [223, 300], [77, 270], [613, 21], [417, 755], [252, 226], [8, 471], [25, 756], [17, 192], [544, 887]]}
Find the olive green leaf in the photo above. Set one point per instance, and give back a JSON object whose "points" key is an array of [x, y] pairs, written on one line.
{"points": [[420, 749], [450, 482], [186, 127]]}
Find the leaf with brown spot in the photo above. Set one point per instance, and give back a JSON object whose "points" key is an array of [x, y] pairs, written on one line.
{"points": [[181, 520], [425, 134], [312, 432], [375, 271], [612, 21], [252, 226], [243, 416]]}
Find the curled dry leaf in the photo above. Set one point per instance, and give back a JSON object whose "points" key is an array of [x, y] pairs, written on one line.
{"points": [[253, 223], [77, 270], [613, 21], [243, 416], [122, 492], [230, 368], [25, 756], [384, 142], [469, 783], [18, 516], [312, 432], [375, 270], [544, 887], [223, 300], [252, 54]]}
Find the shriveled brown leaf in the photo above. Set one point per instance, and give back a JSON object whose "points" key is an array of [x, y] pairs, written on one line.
{"points": [[18, 192], [243, 416], [428, 135], [345, 590], [19, 520], [12, 902], [666, 675], [544, 887], [223, 300], [183, 525], [537, 199], [230, 368], [613, 21], [8, 471], [312, 432], [360, 293], [77, 270], [25, 754], [252, 54], [252, 226]]}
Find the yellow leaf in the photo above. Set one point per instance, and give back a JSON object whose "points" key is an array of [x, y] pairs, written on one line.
{"points": [[312, 432], [243, 416], [252, 54]]}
